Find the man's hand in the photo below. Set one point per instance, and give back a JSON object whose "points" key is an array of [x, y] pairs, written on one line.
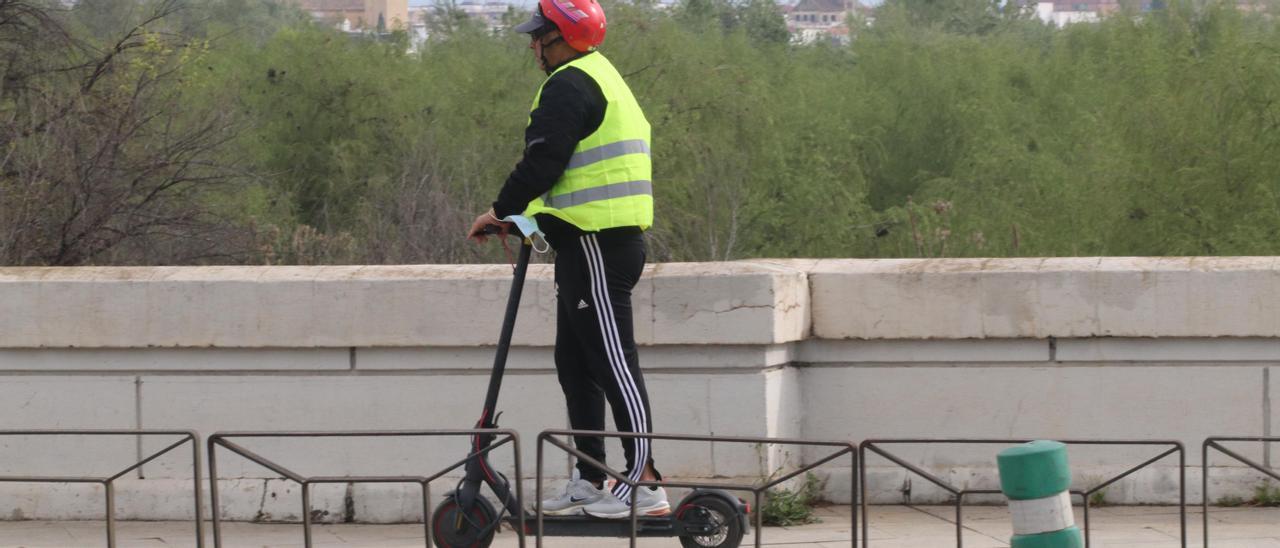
{"points": [[480, 229]]}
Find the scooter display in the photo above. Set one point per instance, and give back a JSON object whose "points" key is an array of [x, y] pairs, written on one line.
{"points": [[706, 518]]}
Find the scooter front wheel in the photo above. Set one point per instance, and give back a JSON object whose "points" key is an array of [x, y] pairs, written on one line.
{"points": [[722, 521], [452, 527]]}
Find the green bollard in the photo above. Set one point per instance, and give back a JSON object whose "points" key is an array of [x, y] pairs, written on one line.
{"points": [[1036, 479]]}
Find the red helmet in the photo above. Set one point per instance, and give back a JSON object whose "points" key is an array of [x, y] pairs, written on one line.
{"points": [[581, 22]]}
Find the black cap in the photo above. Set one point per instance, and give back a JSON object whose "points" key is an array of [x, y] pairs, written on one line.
{"points": [[537, 24]]}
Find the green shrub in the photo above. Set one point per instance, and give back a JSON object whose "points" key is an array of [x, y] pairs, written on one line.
{"points": [[1265, 495], [1098, 499], [784, 507], [1230, 501]]}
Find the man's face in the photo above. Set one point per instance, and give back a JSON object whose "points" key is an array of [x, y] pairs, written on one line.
{"points": [[536, 44]]}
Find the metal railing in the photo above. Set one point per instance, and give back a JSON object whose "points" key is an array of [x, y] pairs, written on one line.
{"points": [[757, 490], [959, 493], [221, 439], [108, 481], [1213, 443], [857, 457]]}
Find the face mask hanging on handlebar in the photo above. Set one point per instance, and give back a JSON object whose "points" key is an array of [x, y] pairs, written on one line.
{"points": [[529, 230]]}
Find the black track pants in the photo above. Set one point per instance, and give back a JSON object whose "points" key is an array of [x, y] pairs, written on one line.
{"points": [[596, 356]]}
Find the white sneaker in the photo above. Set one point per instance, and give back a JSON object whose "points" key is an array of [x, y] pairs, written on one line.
{"points": [[650, 502], [577, 494]]}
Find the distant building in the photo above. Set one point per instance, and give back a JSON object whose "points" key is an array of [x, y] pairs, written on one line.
{"points": [[418, 15], [819, 13], [1050, 13], [418, 26], [359, 15], [490, 14], [813, 20], [334, 12], [1099, 7], [392, 13], [1065, 12]]}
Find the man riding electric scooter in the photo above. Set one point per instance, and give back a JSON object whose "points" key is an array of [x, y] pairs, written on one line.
{"points": [[705, 518], [586, 179]]}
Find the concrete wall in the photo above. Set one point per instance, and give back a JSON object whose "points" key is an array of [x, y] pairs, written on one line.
{"points": [[1170, 348]]}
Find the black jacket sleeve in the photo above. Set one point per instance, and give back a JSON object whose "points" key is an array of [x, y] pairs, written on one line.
{"points": [[571, 108]]}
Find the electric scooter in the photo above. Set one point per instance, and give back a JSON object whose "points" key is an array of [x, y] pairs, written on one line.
{"points": [[706, 518]]}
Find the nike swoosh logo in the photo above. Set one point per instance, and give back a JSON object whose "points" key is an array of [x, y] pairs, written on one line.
{"points": [[576, 499]]}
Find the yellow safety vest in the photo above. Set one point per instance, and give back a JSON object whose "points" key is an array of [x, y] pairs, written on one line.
{"points": [[608, 182]]}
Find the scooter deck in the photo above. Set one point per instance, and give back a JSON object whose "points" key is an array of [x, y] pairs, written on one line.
{"points": [[587, 526]]}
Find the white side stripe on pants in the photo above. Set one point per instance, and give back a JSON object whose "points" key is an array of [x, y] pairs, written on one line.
{"points": [[608, 328], [618, 362]]}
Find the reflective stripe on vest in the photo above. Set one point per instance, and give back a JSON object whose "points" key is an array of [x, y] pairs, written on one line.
{"points": [[593, 194], [605, 152], [607, 181]]}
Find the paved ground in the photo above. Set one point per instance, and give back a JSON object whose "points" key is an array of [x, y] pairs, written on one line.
{"points": [[891, 527]]}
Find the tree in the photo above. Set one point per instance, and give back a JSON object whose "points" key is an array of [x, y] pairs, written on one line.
{"points": [[447, 19], [764, 22], [106, 159], [974, 17], [700, 14]]}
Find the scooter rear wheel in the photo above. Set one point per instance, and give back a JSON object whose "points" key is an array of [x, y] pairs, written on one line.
{"points": [[722, 516], [453, 528]]}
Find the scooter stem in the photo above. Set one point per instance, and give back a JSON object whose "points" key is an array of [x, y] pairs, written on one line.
{"points": [[478, 470], [504, 340]]}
